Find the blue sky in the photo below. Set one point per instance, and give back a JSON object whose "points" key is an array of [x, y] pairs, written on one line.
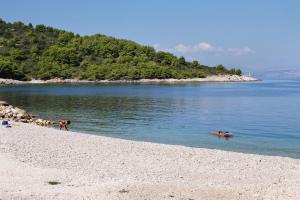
{"points": [[251, 34]]}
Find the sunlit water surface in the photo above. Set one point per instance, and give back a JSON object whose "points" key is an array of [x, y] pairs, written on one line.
{"points": [[264, 116]]}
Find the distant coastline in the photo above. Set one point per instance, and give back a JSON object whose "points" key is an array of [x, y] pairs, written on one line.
{"points": [[214, 78]]}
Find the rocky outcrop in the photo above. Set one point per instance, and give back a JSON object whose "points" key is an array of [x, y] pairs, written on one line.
{"points": [[10, 113], [9, 81]]}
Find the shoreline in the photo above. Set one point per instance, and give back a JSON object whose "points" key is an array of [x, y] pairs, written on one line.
{"points": [[215, 78], [98, 167]]}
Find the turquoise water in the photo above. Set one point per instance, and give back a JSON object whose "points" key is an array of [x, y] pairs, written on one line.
{"points": [[264, 116]]}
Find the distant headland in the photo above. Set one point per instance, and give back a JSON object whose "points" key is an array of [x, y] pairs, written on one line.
{"points": [[45, 53]]}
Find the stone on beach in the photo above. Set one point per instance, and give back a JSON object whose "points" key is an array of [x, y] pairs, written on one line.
{"points": [[20, 111]]}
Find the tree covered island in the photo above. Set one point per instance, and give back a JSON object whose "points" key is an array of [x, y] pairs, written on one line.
{"points": [[43, 52]]}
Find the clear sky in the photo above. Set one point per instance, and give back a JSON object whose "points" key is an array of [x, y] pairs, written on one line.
{"points": [[251, 34]]}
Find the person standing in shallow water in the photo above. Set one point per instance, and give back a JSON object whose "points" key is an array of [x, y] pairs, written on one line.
{"points": [[63, 124]]}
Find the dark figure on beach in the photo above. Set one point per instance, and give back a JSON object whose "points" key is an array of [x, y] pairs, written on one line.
{"points": [[64, 124]]}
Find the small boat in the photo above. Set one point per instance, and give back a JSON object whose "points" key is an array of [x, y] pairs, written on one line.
{"points": [[222, 134]]}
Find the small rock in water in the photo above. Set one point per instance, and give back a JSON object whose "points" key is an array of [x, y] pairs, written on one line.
{"points": [[3, 103]]}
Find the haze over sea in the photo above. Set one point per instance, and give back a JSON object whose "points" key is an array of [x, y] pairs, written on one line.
{"points": [[264, 116]]}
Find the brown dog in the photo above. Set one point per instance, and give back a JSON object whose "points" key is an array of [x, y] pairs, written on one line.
{"points": [[64, 124]]}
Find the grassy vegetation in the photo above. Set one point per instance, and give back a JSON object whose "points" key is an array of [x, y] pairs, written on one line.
{"points": [[41, 52]]}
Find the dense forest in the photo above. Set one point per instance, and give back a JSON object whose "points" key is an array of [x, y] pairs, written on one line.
{"points": [[43, 52]]}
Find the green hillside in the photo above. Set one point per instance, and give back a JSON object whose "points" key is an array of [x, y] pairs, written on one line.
{"points": [[42, 52]]}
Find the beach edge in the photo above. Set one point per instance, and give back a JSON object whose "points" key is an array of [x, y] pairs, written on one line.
{"points": [[215, 78]]}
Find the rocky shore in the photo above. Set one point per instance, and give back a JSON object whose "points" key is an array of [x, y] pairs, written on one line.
{"points": [[11, 113], [220, 78]]}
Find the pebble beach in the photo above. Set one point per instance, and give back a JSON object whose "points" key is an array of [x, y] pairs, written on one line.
{"points": [[45, 163]]}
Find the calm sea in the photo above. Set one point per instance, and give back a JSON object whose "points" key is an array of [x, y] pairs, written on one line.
{"points": [[264, 116]]}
